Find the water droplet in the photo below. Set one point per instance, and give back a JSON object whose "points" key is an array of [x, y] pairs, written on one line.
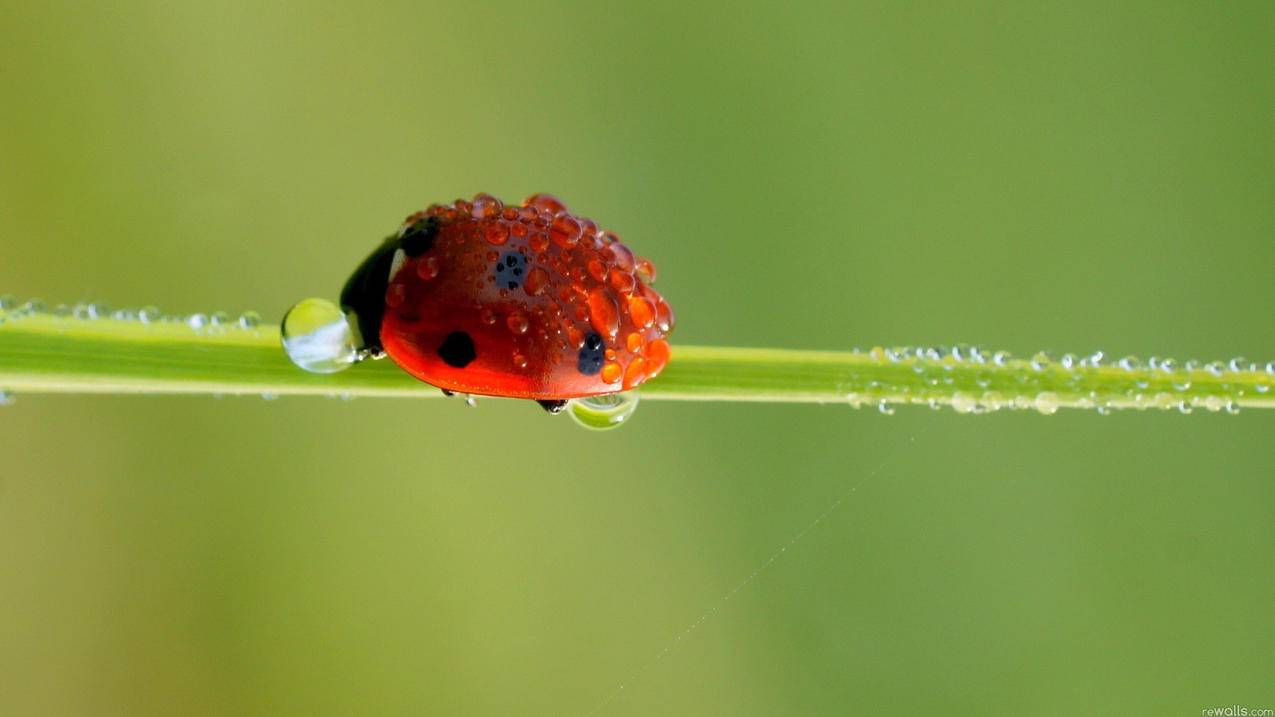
{"points": [[601, 413], [1000, 358], [197, 321], [1130, 363], [7, 398], [318, 338], [219, 321], [1040, 361], [1047, 403], [963, 403], [1232, 408], [269, 396], [249, 320], [149, 314], [885, 408], [471, 401]]}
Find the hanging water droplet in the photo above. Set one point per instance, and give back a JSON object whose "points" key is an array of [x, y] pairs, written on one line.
{"points": [[269, 396], [885, 408], [1047, 403], [197, 321], [1000, 358], [1232, 408], [601, 413], [471, 401], [318, 338], [6, 398], [963, 403]]}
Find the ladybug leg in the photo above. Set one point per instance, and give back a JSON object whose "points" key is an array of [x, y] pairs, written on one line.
{"points": [[553, 407], [447, 393]]}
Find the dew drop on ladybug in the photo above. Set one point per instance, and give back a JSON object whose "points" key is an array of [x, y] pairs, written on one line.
{"points": [[480, 298]]}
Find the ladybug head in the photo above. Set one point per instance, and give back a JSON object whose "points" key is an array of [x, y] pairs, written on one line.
{"points": [[363, 297]]}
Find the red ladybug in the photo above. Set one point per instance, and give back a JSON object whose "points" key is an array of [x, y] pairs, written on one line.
{"points": [[522, 301]]}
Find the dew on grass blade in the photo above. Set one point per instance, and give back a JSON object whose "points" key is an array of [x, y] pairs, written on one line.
{"points": [[602, 413], [318, 338]]}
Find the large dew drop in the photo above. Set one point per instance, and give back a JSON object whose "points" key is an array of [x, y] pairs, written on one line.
{"points": [[318, 338], [602, 413]]}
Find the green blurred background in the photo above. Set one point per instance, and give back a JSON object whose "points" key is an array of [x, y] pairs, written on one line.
{"points": [[1070, 176]]}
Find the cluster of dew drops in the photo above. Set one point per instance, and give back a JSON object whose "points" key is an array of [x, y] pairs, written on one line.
{"points": [[1094, 381], [599, 413], [13, 312]]}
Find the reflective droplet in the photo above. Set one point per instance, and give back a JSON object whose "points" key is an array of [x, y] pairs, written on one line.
{"points": [[149, 314], [269, 396], [7, 398], [601, 413], [318, 338], [963, 403], [604, 315], [885, 408], [197, 321], [1047, 403], [249, 320], [517, 322]]}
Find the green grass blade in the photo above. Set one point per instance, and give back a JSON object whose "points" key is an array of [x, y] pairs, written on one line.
{"points": [[42, 352]]}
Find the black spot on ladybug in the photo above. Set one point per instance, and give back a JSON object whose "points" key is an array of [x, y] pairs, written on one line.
{"points": [[555, 406], [589, 360], [509, 269], [457, 349], [419, 238]]}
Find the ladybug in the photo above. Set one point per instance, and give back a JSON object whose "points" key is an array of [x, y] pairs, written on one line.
{"points": [[525, 301]]}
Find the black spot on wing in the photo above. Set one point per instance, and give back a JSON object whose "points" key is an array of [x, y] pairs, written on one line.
{"points": [[589, 360], [457, 349]]}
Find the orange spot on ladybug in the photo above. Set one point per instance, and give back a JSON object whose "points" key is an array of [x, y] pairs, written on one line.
{"points": [[604, 314], [537, 280], [545, 203], [622, 283], [496, 233], [620, 254], [635, 373], [645, 270], [597, 270], [427, 268], [657, 356], [642, 311], [664, 316], [611, 372], [486, 206], [565, 231]]}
